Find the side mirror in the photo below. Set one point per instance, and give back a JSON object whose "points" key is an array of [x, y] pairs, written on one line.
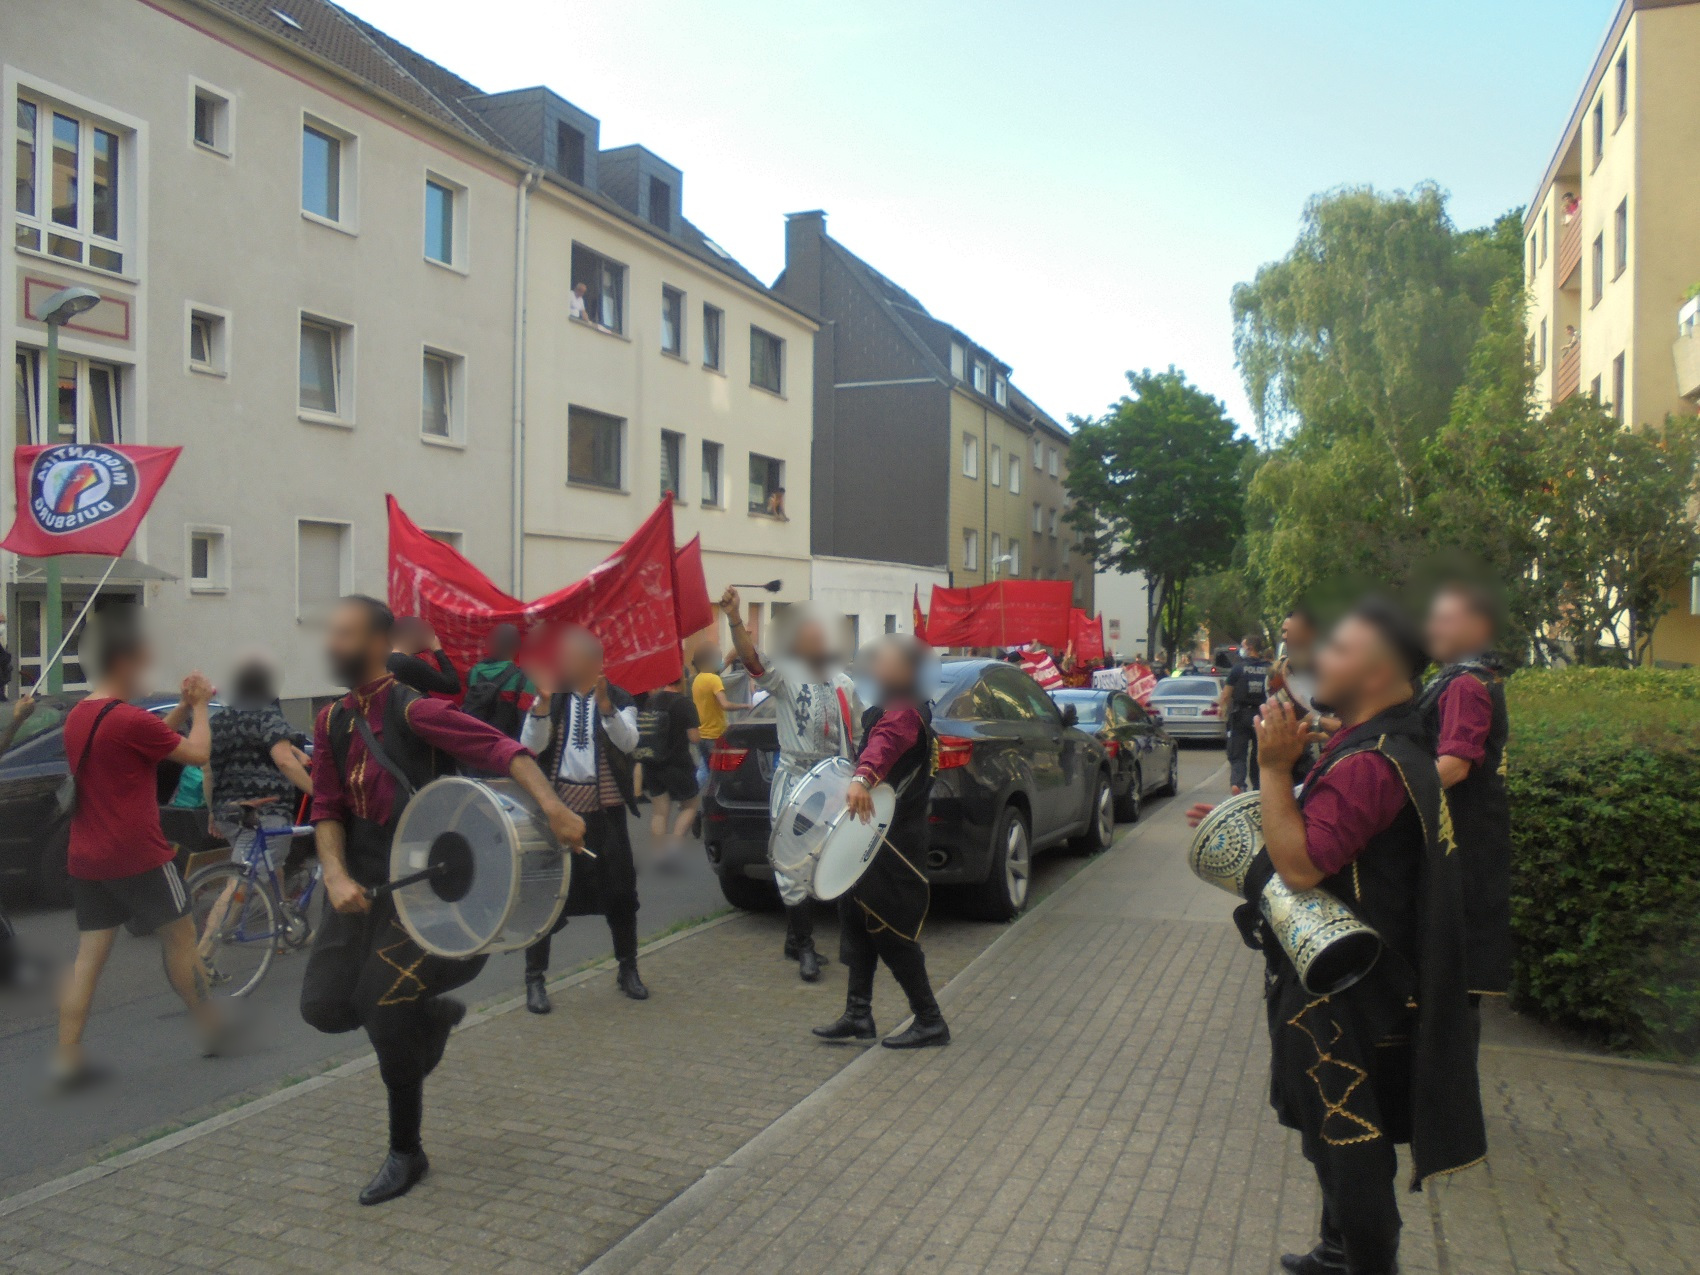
{"points": [[1070, 716]]}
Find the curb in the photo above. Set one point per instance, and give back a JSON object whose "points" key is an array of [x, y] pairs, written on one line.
{"points": [[253, 1107]]}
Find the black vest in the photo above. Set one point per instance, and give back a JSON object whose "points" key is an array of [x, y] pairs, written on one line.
{"points": [[1251, 688], [368, 841], [619, 763], [1481, 822], [911, 776]]}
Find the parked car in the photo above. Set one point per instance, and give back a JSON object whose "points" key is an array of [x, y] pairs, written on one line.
{"points": [[1013, 777], [1144, 756], [32, 837], [1189, 707]]}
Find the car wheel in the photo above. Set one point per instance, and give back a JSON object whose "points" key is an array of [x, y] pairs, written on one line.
{"points": [[748, 895], [1101, 821], [1003, 894], [1127, 805], [1172, 785], [52, 872]]}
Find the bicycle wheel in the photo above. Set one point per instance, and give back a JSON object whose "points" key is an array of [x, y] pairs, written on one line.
{"points": [[236, 928]]}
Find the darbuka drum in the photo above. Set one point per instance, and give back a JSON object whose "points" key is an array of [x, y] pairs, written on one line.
{"points": [[1329, 947], [500, 880], [817, 841]]}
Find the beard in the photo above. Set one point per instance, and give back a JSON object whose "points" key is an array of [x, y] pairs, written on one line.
{"points": [[348, 670]]}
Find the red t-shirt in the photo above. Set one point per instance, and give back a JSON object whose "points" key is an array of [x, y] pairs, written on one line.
{"points": [[115, 830]]}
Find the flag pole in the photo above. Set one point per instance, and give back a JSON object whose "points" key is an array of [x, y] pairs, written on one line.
{"points": [[57, 684]]}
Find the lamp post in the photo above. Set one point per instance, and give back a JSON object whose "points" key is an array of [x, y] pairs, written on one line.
{"points": [[58, 310]]}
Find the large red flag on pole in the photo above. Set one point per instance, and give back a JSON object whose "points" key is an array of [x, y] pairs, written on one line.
{"points": [[1087, 634], [1003, 613], [690, 589], [83, 497]]}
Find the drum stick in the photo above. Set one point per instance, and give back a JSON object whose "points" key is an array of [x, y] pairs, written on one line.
{"points": [[401, 883]]}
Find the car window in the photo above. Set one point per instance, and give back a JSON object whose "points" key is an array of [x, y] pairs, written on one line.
{"points": [[1185, 688], [1127, 709], [1089, 709], [49, 715], [1026, 696]]}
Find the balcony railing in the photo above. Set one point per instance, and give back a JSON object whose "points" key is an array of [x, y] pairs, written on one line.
{"points": [[1567, 372], [1569, 248]]}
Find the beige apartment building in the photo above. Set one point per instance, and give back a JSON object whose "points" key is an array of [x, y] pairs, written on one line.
{"points": [[1612, 246]]}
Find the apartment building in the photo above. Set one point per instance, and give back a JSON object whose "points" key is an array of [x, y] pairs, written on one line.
{"points": [[305, 265], [1611, 246], [926, 455]]}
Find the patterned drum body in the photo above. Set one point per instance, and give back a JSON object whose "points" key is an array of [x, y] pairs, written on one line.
{"points": [[1329, 946]]}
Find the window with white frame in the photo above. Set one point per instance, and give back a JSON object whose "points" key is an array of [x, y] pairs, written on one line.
{"points": [[672, 464], [982, 376], [1038, 516], [970, 456], [712, 457], [713, 338], [767, 360], [324, 566], [604, 283], [995, 544], [958, 360], [209, 121], [208, 344], [442, 417], [91, 397], [1000, 391], [672, 322], [327, 172], [1015, 473], [445, 222], [1051, 462], [1015, 557], [970, 549], [595, 448], [1038, 455], [209, 560], [767, 485], [1053, 524], [994, 466], [324, 388], [74, 184]]}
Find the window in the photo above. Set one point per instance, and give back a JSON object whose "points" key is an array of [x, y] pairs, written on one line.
{"points": [[1038, 517], [569, 153], [1619, 407], [70, 195], [209, 568], [324, 567], [970, 549], [970, 456], [207, 343], [1051, 461], [30, 644], [1000, 391], [1599, 130], [958, 360], [713, 338], [1598, 263], [594, 445], [441, 418], [211, 120], [982, 375], [673, 322], [994, 466], [605, 288], [90, 400], [1620, 235], [1541, 355], [1038, 455], [1622, 85], [1014, 474], [767, 360], [660, 204], [444, 234], [1053, 524], [1531, 258], [767, 485], [1546, 219], [1015, 557], [324, 384], [327, 173], [711, 457], [453, 539], [890, 623], [995, 544], [1594, 389], [672, 465]]}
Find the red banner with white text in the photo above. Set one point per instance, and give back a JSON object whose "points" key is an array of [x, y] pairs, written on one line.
{"points": [[1087, 634], [1003, 613]]}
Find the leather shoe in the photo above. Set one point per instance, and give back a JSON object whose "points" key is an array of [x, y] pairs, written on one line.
{"points": [[442, 1016], [630, 983], [536, 995], [920, 1034], [808, 964], [856, 1023], [400, 1171], [1324, 1259]]}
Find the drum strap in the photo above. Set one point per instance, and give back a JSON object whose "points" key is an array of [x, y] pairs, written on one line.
{"points": [[395, 772], [849, 732]]}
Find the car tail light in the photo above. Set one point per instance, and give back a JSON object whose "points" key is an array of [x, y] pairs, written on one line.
{"points": [[954, 751], [1212, 710], [724, 756], [1112, 746]]}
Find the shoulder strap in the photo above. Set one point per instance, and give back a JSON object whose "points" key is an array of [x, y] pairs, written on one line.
{"points": [[394, 771], [89, 742]]}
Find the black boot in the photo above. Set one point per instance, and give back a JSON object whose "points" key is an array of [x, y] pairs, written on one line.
{"points": [[856, 1023], [808, 962], [397, 1176], [536, 995], [928, 1031], [1327, 1258], [442, 1016], [630, 983]]}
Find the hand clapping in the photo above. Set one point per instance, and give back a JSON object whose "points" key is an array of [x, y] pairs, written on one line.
{"points": [[1282, 736]]}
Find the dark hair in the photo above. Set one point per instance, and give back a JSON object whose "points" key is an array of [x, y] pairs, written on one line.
{"points": [[1253, 643], [379, 618], [1302, 611], [1482, 600], [504, 640], [1396, 628], [121, 640], [254, 683]]}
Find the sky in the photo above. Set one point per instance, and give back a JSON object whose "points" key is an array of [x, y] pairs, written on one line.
{"points": [[1077, 185]]}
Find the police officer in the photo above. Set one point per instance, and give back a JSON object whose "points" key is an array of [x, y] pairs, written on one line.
{"points": [[1242, 695]]}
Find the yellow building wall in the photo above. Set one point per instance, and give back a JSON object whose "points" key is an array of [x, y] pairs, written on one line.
{"points": [[987, 507]]}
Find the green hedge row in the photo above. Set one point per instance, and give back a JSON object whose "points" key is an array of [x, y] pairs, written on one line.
{"points": [[1604, 774]]}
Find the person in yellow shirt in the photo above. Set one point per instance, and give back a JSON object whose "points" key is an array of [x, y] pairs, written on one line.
{"points": [[709, 693]]}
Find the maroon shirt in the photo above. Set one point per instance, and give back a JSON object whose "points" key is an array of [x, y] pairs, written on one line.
{"points": [[1359, 797], [893, 735], [1466, 716], [369, 792]]}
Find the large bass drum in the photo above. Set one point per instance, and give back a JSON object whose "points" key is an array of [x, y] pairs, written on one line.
{"points": [[1329, 946], [504, 878], [817, 841]]}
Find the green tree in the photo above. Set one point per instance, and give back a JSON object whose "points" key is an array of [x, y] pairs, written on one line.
{"points": [[1156, 485]]}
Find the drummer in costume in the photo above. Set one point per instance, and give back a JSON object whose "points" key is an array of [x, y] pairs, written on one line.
{"points": [[817, 707], [373, 749], [1464, 707], [880, 917], [1390, 1059], [585, 735]]}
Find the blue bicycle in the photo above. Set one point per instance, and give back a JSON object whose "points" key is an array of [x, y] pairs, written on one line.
{"points": [[246, 910]]}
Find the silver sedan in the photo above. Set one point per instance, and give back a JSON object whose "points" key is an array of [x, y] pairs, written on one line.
{"points": [[1189, 707]]}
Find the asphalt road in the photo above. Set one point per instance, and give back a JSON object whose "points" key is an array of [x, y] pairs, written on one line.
{"points": [[157, 1081]]}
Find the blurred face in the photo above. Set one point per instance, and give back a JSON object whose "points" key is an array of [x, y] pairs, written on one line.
{"points": [[1354, 667], [579, 659], [128, 673], [811, 645], [892, 672], [1455, 630], [355, 648], [1297, 633]]}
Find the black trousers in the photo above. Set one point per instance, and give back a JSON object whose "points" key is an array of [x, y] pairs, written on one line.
{"points": [[605, 886], [799, 926], [863, 944], [1243, 771]]}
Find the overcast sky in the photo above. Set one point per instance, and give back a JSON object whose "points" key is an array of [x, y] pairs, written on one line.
{"points": [[1078, 184]]}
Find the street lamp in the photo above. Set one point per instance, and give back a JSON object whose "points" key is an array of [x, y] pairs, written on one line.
{"points": [[58, 310], [1002, 560]]}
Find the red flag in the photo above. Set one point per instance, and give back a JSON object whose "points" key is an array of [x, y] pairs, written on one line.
{"points": [[627, 600], [83, 497], [920, 620], [1004, 613], [690, 589], [1087, 634]]}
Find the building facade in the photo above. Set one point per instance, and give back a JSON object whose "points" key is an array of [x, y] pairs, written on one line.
{"points": [[1611, 247]]}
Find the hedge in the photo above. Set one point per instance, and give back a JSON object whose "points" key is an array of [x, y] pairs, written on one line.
{"points": [[1604, 776]]}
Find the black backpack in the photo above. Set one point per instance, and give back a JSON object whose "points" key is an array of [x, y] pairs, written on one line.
{"points": [[489, 701]]}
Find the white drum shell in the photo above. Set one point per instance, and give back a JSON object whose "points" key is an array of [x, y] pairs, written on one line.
{"points": [[520, 876], [817, 841]]}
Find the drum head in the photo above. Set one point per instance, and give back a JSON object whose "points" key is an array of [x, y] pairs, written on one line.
{"points": [[465, 826], [807, 814], [850, 845]]}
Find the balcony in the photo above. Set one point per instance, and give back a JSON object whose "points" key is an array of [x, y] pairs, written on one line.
{"points": [[1567, 372], [1569, 249], [1686, 350]]}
